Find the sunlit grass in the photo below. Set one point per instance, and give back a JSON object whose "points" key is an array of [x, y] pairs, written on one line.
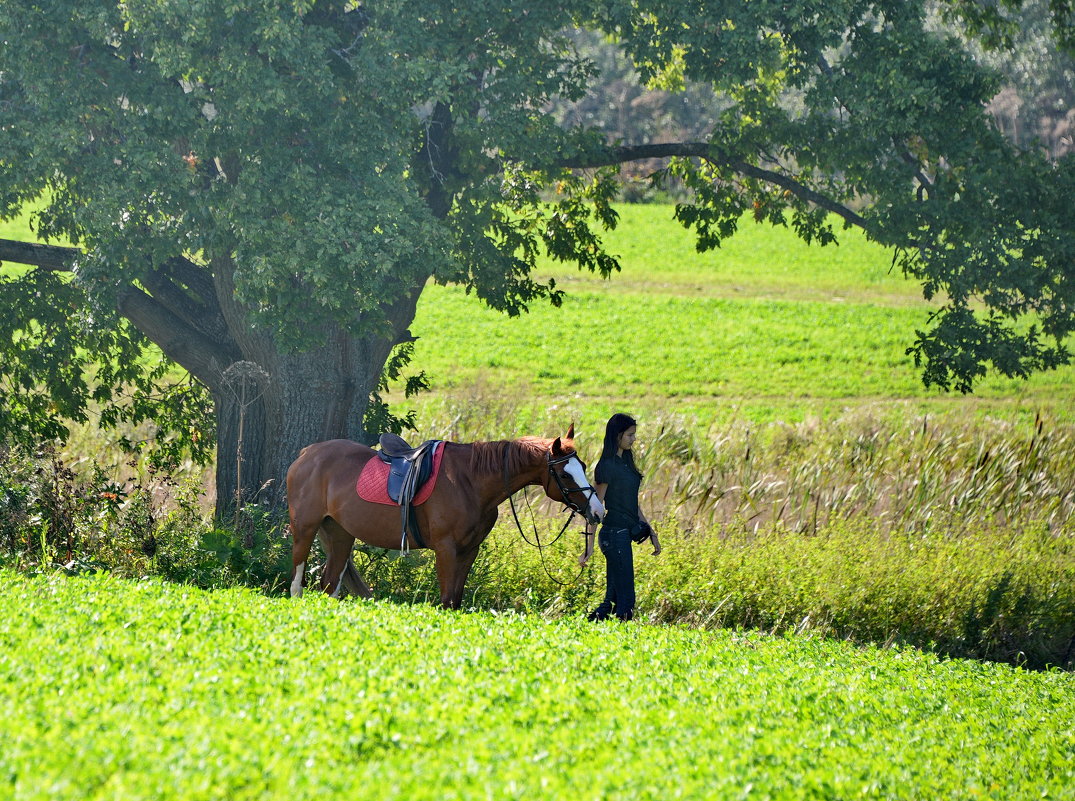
{"points": [[659, 256], [766, 328], [113, 689], [711, 357]]}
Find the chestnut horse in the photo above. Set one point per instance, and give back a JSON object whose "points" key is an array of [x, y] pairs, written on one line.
{"points": [[474, 480]]}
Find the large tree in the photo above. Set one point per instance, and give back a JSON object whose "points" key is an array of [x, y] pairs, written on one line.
{"points": [[262, 188]]}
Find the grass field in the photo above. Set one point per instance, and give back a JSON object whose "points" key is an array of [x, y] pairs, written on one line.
{"points": [[113, 689], [764, 329]]}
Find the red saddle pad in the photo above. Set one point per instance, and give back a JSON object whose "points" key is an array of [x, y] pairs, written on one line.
{"points": [[373, 481]]}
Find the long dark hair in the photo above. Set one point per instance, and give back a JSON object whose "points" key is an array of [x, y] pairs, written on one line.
{"points": [[615, 426]]}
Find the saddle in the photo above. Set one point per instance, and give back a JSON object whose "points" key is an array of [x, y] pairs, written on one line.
{"points": [[408, 470]]}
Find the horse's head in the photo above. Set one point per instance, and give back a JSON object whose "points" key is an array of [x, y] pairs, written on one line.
{"points": [[569, 484]]}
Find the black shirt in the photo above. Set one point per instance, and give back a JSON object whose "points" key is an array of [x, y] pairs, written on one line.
{"points": [[621, 496]]}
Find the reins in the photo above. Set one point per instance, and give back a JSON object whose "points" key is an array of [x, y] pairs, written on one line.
{"points": [[537, 537], [537, 541]]}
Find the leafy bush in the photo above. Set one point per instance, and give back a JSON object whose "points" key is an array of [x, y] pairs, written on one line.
{"points": [[52, 517]]}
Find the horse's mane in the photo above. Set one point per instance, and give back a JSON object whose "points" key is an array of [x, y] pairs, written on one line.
{"points": [[511, 456]]}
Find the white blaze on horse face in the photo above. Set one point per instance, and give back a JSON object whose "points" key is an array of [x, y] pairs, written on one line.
{"points": [[296, 583], [573, 468]]}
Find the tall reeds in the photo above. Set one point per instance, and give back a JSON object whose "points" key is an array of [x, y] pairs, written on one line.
{"points": [[949, 533], [945, 475]]}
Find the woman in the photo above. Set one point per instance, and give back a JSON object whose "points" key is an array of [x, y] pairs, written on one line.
{"points": [[617, 481]]}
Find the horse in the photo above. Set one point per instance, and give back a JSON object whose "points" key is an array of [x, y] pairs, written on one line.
{"points": [[474, 479]]}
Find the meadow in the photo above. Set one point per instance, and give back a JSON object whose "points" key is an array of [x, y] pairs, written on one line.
{"points": [[764, 329], [119, 689], [858, 573]]}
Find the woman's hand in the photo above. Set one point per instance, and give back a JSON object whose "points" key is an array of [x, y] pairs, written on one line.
{"points": [[656, 543], [584, 557]]}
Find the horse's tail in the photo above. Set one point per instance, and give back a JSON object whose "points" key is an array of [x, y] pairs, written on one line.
{"points": [[350, 582], [353, 583]]}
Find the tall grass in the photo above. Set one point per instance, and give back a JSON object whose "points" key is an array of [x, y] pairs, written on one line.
{"points": [[991, 594], [945, 476], [953, 536], [942, 477]]}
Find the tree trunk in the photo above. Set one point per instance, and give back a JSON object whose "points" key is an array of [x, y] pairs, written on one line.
{"points": [[266, 414], [283, 400], [271, 402]]}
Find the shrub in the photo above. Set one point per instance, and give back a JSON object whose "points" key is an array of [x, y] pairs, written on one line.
{"points": [[54, 518]]}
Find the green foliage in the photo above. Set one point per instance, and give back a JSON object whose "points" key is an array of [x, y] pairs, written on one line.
{"points": [[993, 593], [312, 165], [62, 356], [245, 181], [505, 226], [379, 418], [998, 23], [112, 689], [53, 518], [944, 533], [769, 468], [956, 539]]}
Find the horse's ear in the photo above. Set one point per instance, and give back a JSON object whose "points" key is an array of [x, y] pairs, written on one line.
{"points": [[557, 447], [571, 431]]}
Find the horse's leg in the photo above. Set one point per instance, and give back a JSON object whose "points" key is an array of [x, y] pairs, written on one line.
{"points": [[453, 567], [462, 570], [340, 572], [302, 539], [447, 560], [455, 558]]}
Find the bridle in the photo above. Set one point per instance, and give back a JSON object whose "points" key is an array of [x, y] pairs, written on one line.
{"points": [[565, 494]]}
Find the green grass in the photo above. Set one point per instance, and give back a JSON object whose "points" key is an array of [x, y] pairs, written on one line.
{"points": [[658, 256], [710, 357], [16, 229], [764, 329], [117, 690], [19, 228]]}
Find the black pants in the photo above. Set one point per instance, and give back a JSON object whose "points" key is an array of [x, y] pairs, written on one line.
{"points": [[619, 575]]}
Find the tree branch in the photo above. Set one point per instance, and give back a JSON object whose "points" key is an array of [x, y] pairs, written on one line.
{"points": [[702, 150], [203, 356], [182, 287], [192, 334], [47, 257], [437, 160]]}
